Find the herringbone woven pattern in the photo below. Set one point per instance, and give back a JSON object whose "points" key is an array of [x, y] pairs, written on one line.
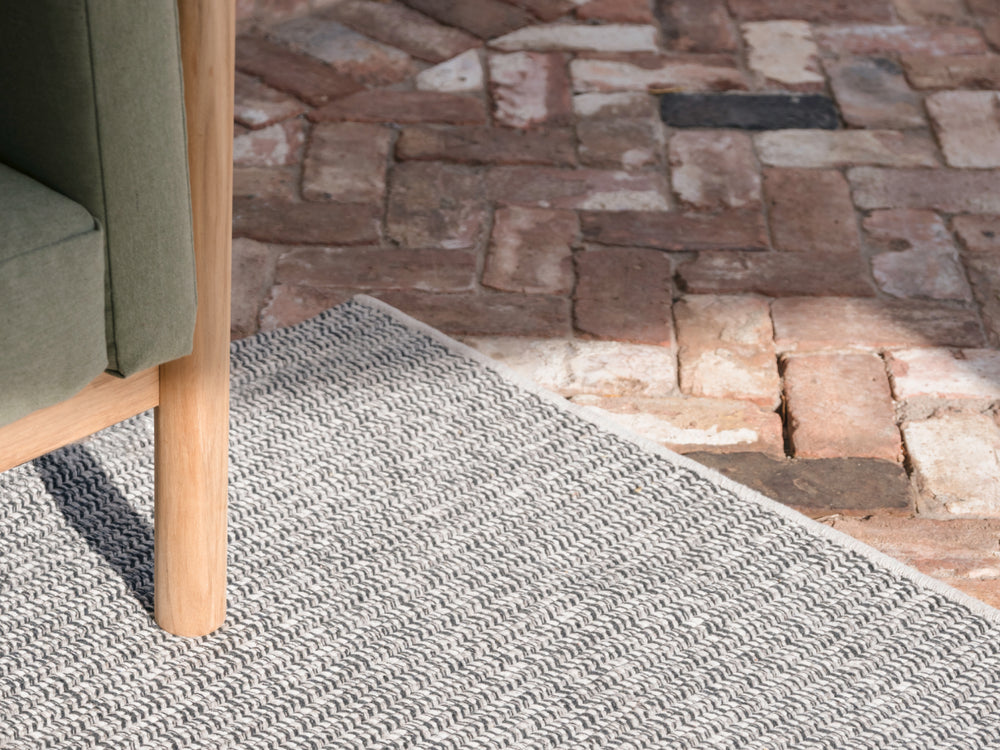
{"points": [[424, 554]]}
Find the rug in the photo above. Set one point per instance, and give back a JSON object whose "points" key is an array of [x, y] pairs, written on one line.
{"points": [[426, 552]]}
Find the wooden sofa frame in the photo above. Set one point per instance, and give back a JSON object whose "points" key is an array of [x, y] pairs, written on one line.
{"points": [[191, 394]]}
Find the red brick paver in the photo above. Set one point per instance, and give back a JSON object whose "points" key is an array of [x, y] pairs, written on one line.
{"points": [[814, 311]]}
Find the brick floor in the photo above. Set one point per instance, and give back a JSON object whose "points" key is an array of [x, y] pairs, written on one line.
{"points": [[797, 281]]}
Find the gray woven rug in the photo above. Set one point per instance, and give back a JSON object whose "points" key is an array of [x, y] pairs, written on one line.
{"points": [[425, 554]]}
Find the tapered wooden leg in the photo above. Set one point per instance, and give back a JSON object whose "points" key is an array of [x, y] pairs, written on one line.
{"points": [[192, 420]]}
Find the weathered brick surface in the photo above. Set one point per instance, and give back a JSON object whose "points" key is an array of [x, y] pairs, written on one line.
{"points": [[531, 251], [586, 189], [483, 145], [624, 293], [842, 148], [936, 12], [435, 205], [991, 31], [984, 8], [258, 105], [577, 37], [872, 93], [713, 170], [530, 89], [404, 107], [403, 28], [900, 39], [658, 73], [267, 182], [615, 105], [545, 10], [918, 258], [839, 405], [616, 11], [274, 146], [736, 230], [695, 424], [803, 324], [546, 362], [244, 11], [484, 18], [486, 314], [984, 275], [956, 466], [726, 349], [460, 74], [953, 71], [572, 367], [620, 143], [275, 10], [906, 228], [953, 191], [819, 11], [776, 274], [274, 220], [968, 127], [946, 374], [697, 26], [300, 75], [253, 276], [347, 52], [980, 235], [811, 211], [346, 162], [749, 111], [817, 485], [431, 269], [615, 368], [784, 53]]}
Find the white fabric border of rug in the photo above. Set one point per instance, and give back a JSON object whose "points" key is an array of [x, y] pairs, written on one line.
{"points": [[742, 491]]}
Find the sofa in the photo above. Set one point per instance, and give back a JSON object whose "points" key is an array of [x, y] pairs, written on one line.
{"points": [[115, 212]]}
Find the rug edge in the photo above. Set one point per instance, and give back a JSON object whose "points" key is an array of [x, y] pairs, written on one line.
{"points": [[742, 491]]}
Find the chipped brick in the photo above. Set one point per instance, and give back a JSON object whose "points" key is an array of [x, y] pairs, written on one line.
{"points": [[403, 28], [726, 348], [346, 51], [842, 148], [584, 189], [776, 274], [529, 89], [736, 230], [953, 191], [802, 324], [484, 145], [300, 75], [872, 93], [624, 293], [811, 211], [839, 406], [404, 107], [435, 205], [714, 169], [531, 251]]}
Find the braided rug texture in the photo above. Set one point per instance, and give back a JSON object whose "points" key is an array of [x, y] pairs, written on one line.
{"points": [[425, 554]]}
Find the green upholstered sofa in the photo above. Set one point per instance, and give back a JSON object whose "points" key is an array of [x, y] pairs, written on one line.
{"points": [[97, 234], [96, 257]]}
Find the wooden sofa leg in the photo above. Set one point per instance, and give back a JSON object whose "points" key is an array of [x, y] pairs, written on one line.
{"points": [[192, 420]]}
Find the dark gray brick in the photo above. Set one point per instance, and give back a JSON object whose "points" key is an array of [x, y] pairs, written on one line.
{"points": [[749, 111]]}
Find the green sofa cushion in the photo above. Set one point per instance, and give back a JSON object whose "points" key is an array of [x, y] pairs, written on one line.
{"points": [[91, 105], [51, 296]]}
